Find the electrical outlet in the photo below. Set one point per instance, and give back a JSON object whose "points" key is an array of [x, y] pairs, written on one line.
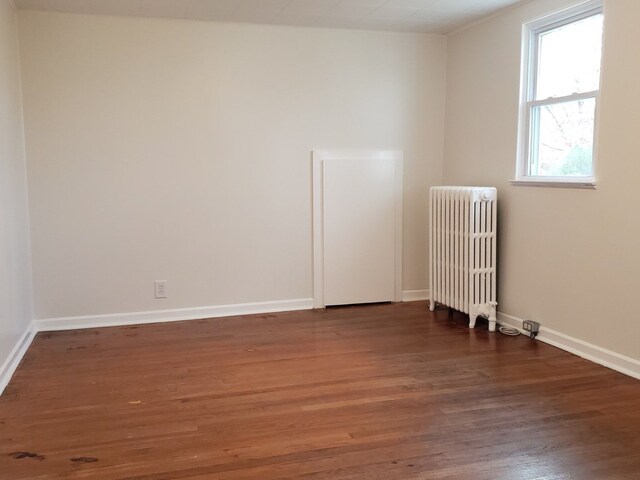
{"points": [[160, 288], [531, 327]]}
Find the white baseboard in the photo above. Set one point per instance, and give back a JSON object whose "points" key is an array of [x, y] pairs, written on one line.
{"points": [[602, 356], [415, 295], [11, 363], [178, 314]]}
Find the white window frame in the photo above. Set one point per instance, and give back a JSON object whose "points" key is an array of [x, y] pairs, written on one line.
{"points": [[530, 51]]}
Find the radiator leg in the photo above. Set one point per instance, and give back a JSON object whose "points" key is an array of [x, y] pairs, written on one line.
{"points": [[472, 320], [492, 318], [432, 305], [492, 324]]}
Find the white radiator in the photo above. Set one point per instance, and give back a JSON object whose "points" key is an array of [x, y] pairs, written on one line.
{"points": [[462, 250]]}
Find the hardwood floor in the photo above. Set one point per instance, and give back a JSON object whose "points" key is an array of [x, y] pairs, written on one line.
{"points": [[369, 392]]}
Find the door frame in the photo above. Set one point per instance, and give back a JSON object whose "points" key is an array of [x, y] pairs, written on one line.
{"points": [[318, 159]]}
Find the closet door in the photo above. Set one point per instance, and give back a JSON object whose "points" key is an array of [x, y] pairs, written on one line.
{"points": [[359, 219]]}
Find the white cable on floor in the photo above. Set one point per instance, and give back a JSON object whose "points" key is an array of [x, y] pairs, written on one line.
{"points": [[512, 332]]}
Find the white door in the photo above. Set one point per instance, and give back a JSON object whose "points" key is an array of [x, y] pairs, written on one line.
{"points": [[360, 229]]}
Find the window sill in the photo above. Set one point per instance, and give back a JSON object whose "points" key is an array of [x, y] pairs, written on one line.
{"points": [[556, 183]]}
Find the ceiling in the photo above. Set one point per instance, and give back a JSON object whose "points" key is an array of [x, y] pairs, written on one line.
{"points": [[427, 16]]}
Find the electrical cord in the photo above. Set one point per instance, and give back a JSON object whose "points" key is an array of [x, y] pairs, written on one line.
{"points": [[512, 332]]}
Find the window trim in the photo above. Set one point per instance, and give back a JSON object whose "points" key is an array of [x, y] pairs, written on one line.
{"points": [[530, 33]]}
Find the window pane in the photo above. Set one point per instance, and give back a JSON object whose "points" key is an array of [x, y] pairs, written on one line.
{"points": [[569, 58], [562, 139]]}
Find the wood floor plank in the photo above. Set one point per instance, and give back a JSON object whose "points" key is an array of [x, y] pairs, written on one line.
{"points": [[365, 392]]}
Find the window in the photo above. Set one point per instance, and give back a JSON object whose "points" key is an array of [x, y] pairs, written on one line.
{"points": [[560, 86]]}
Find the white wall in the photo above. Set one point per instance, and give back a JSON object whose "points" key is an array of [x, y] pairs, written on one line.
{"points": [[180, 151], [15, 268], [568, 258]]}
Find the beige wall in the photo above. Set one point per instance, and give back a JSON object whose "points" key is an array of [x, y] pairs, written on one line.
{"points": [[180, 151], [568, 258], [176, 150], [15, 269]]}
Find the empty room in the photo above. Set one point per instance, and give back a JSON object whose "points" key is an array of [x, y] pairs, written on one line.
{"points": [[319, 239]]}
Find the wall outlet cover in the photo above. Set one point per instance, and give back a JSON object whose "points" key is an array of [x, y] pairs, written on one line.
{"points": [[160, 288]]}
